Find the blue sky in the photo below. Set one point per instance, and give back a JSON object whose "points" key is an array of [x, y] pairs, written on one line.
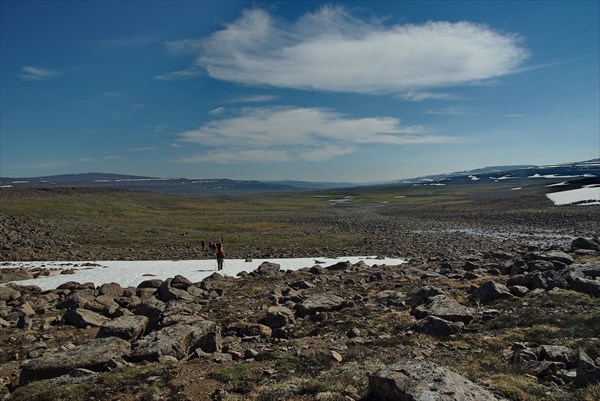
{"points": [[345, 91]]}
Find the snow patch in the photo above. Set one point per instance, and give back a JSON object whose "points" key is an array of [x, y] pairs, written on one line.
{"points": [[132, 273], [575, 195]]}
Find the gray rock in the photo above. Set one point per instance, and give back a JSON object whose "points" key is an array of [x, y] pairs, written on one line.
{"points": [[340, 266], [267, 268], [154, 283], [152, 308], [584, 243], [97, 355], [423, 296], [490, 291], [113, 290], [176, 341], [587, 286], [279, 316], [559, 256], [558, 353], [180, 312], [446, 308], [166, 292], [81, 318], [128, 328], [320, 303], [413, 380], [181, 282], [436, 326], [15, 274], [518, 290], [8, 294], [587, 371]]}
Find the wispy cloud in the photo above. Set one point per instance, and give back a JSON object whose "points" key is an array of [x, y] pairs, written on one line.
{"points": [[254, 99], [514, 115], [141, 149], [333, 50], [182, 74], [449, 111], [419, 96], [298, 134], [216, 111], [38, 73]]}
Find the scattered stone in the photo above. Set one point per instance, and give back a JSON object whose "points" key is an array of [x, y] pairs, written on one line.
{"points": [[421, 380], [446, 308], [82, 318], [491, 291], [97, 355], [128, 328], [320, 303], [436, 326]]}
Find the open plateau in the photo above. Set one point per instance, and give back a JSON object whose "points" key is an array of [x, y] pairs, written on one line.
{"points": [[473, 286]]}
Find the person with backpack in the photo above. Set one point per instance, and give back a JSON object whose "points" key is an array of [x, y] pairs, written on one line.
{"points": [[220, 255]]}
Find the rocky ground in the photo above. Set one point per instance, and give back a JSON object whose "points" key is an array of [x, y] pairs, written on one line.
{"points": [[494, 303]]}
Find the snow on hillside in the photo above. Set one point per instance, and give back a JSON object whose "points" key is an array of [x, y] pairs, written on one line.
{"points": [[589, 193]]}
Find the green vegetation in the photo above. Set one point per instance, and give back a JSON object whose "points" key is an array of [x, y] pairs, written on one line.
{"points": [[146, 381]]}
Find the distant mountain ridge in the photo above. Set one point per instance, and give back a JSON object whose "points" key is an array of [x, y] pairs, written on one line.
{"points": [[584, 171], [167, 185]]}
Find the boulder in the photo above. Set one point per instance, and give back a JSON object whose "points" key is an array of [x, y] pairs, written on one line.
{"points": [[181, 282], [587, 371], [554, 255], [584, 243], [152, 308], [446, 308], [413, 380], [166, 292], [587, 286], [267, 268], [8, 294], [176, 341], [81, 318], [320, 303], [128, 328], [559, 353], [153, 283], [339, 266], [97, 355], [113, 290], [490, 291], [279, 316], [436, 326], [15, 274], [423, 296], [180, 312]]}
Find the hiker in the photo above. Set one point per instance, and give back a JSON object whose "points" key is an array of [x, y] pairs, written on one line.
{"points": [[220, 255], [202, 243], [211, 246]]}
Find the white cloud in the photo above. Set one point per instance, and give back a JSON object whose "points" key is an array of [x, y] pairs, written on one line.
{"points": [[254, 99], [38, 73], [141, 149], [298, 134], [217, 111], [449, 111], [182, 74], [336, 51], [514, 115], [419, 96]]}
